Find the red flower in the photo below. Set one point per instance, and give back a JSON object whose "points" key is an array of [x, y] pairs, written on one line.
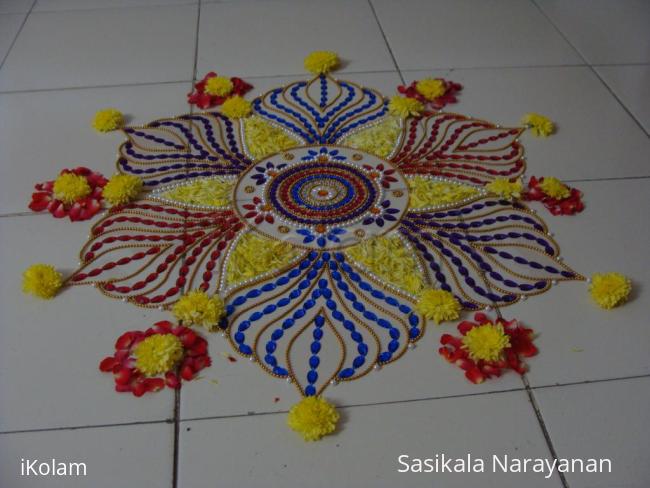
{"points": [[204, 100], [565, 206], [129, 379], [451, 89], [477, 371], [259, 210], [83, 209]]}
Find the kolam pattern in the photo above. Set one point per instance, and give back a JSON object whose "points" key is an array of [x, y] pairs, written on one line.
{"points": [[323, 317]]}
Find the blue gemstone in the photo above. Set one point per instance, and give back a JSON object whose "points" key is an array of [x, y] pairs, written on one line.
{"points": [[310, 390], [314, 361], [384, 357], [414, 332], [270, 360], [346, 373], [271, 346], [356, 337], [312, 376], [239, 337], [277, 334], [280, 371], [244, 349], [315, 347]]}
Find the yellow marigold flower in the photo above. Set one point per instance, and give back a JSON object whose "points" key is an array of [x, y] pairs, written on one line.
{"points": [[431, 88], [158, 354], [610, 289], [486, 342], [108, 120], [236, 107], [197, 308], [438, 305], [70, 187], [403, 106], [554, 188], [42, 281], [122, 189], [319, 62], [505, 188], [219, 86], [539, 125], [313, 417]]}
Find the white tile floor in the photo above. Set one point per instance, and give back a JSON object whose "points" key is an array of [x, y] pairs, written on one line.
{"points": [[584, 63]]}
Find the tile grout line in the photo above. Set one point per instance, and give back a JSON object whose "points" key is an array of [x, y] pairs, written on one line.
{"points": [[590, 66], [178, 392], [353, 405], [383, 34], [80, 427], [20, 29], [542, 425]]}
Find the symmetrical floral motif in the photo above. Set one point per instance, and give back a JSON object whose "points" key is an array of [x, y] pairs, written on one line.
{"points": [[76, 193], [487, 347], [330, 311], [161, 355]]}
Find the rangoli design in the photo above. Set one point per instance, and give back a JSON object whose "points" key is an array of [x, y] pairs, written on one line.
{"points": [[320, 221]]}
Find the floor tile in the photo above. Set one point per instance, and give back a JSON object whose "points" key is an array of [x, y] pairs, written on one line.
{"points": [[604, 31], [601, 420], [15, 6], [272, 38], [631, 84], [9, 27], [465, 33], [53, 5], [83, 48], [43, 132], [577, 340], [135, 455], [596, 137], [366, 451], [50, 350]]}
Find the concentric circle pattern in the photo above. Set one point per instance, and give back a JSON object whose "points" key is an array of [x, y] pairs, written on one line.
{"points": [[322, 197]]}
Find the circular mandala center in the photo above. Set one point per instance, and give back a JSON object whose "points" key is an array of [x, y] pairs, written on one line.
{"points": [[325, 197]]}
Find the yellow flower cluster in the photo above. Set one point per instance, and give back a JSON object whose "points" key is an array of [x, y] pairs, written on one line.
{"points": [[218, 86], [486, 342], [212, 191], [425, 192], [610, 289], [438, 305], [254, 255], [197, 308], [42, 281], [379, 139], [505, 188], [313, 417], [404, 106], [264, 139], [389, 259], [236, 107], [70, 187], [108, 120], [319, 62], [121, 189], [539, 125], [554, 188], [431, 88], [158, 354]]}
